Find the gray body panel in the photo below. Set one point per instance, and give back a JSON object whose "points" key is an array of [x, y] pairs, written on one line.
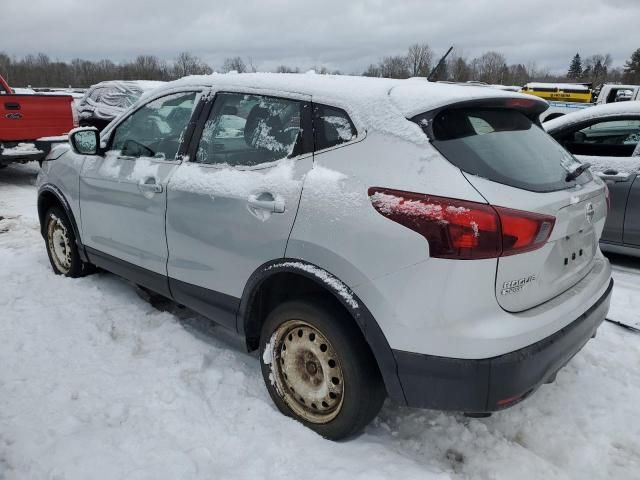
{"points": [[216, 238], [121, 216]]}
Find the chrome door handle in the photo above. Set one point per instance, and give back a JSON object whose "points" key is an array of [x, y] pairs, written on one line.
{"points": [[150, 185], [266, 202]]}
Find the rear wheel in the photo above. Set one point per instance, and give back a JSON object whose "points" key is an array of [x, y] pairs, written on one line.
{"points": [[61, 245], [319, 370]]}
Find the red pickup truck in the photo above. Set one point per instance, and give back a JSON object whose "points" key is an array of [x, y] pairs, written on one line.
{"points": [[29, 121]]}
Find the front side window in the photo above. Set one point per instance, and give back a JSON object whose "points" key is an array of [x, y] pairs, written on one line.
{"points": [[156, 129], [332, 126], [502, 145], [612, 138], [248, 130]]}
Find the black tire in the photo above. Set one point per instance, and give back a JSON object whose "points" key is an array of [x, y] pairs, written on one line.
{"points": [[58, 230], [363, 391]]}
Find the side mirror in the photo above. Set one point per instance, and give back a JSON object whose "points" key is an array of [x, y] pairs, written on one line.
{"points": [[85, 141]]}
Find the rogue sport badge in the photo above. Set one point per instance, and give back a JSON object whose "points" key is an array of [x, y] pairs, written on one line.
{"points": [[514, 286], [589, 212]]}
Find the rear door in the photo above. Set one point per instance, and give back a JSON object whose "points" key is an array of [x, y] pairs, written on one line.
{"points": [[513, 163], [123, 192], [609, 146], [231, 208]]}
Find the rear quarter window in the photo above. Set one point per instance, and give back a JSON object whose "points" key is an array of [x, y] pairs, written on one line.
{"points": [[332, 127], [502, 145]]}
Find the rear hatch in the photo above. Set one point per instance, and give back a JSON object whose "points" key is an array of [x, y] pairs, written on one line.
{"points": [[513, 163]]}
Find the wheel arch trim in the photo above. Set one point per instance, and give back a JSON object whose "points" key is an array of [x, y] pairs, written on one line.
{"points": [[365, 320], [51, 189]]}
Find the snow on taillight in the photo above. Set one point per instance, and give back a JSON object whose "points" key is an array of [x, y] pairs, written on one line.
{"points": [[460, 229], [607, 197]]}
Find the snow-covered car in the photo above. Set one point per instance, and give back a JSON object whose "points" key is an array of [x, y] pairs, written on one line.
{"points": [[608, 138], [106, 100], [369, 237]]}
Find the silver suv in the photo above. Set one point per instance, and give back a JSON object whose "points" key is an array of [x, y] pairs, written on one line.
{"points": [[370, 237]]}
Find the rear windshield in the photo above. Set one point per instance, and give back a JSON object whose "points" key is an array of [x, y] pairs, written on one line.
{"points": [[502, 145]]}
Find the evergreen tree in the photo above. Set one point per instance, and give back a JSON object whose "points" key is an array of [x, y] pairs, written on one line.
{"points": [[632, 68], [575, 68]]}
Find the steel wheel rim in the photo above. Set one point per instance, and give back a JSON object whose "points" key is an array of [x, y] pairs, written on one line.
{"points": [[59, 245], [308, 374]]}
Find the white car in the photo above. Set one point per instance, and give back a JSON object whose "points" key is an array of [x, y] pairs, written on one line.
{"points": [[370, 237]]}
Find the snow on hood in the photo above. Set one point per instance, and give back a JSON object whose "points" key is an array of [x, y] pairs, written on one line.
{"points": [[599, 111]]}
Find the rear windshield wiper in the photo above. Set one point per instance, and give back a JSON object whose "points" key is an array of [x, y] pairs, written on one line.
{"points": [[572, 175]]}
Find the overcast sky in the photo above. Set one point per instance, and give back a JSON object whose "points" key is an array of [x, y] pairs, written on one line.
{"points": [[347, 35]]}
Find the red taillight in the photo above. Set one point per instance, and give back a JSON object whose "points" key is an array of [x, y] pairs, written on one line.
{"points": [[461, 229], [523, 231]]}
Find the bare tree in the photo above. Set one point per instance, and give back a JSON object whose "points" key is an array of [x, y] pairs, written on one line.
{"points": [[419, 59], [372, 71], [596, 68], [394, 67], [250, 66], [286, 69], [489, 67], [459, 70], [188, 64], [234, 64]]}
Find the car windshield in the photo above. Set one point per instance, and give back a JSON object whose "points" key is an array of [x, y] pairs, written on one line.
{"points": [[502, 145]]}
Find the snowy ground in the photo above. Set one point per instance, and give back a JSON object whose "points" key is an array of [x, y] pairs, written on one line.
{"points": [[95, 383]]}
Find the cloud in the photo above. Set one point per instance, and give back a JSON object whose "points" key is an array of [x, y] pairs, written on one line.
{"points": [[347, 35]]}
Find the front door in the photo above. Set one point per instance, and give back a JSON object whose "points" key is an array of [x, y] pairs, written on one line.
{"points": [[231, 208], [123, 192]]}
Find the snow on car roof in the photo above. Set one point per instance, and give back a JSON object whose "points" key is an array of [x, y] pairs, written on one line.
{"points": [[599, 111], [381, 104]]}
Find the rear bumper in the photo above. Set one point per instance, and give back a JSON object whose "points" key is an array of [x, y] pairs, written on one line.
{"points": [[492, 384]]}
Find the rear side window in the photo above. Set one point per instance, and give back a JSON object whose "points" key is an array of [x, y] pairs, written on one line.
{"points": [[502, 145], [249, 130], [332, 126]]}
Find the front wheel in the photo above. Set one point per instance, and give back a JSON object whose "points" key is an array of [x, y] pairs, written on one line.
{"points": [[61, 245], [319, 370]]}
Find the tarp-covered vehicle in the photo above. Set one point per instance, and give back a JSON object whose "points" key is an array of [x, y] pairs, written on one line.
{"points": [[106, 100]]}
